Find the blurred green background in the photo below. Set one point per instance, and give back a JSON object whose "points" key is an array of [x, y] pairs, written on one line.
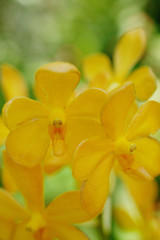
{"points": [[35, 32]]}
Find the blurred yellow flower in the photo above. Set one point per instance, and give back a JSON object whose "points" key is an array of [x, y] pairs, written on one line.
{"points": [[12, 82], [34, 124], [130, 48], [13, 85], [138, 211], [35, 221], [4, 132], [126, 138]]}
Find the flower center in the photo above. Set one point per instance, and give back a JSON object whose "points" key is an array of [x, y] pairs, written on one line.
{"points": [[122, 146], [57, 131], [124, 150], [36, 223]]}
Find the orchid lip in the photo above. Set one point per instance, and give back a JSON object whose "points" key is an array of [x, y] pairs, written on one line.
{"points": [[57, 132]]}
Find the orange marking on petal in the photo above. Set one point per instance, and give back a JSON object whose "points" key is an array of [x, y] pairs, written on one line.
{"points": [[57, 133], [125, 161], [42, 234]]}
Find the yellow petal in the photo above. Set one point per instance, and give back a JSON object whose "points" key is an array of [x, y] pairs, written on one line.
{"points": [[116, 110], [128, 51], [147, 155], [124, 219], [22, 109], [7, 180], [139, 173], [96, 64], [95, 189], [88, 155], [10, 209], [126, 212], [28, 143], [101, 81], [66, 232], [6, 229], [29, 182], [40, 95], [3, 132], [57, 81], [141, 190], [144, 81], [53, 163], [88, 104], [132, 112], [146, 121], [66, 208], [13, 84], [79, 129]]}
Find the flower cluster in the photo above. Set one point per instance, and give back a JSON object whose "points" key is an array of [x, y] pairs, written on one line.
{"points": [[103, 129]]}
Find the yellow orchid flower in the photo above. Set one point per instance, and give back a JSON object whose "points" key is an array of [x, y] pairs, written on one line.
{"points": [[35, 221], [130, 48], [12, 82], [13, 85], [33, 124], [132, 213], [126, 138]]}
